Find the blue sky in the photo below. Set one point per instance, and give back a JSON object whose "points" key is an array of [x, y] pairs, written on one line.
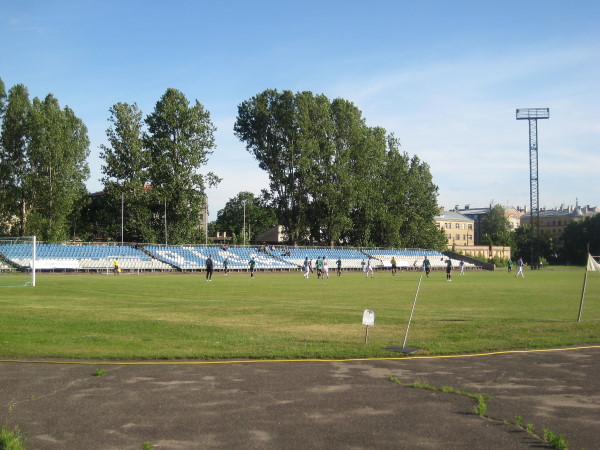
{"points": [[444, 77]]}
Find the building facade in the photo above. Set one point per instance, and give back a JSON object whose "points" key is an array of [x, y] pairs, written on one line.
{"points": [[512, 214], [459, 229], [554, 221]]}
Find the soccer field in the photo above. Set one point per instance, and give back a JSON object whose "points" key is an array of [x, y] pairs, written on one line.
{"points": [[283, 315]]}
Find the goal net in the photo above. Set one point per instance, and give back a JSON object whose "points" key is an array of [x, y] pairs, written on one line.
{"points": [[17, 261]]}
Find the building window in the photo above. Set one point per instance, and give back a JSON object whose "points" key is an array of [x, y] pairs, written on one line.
{"points": [[457, 226], [458, 237], [470, 226]]}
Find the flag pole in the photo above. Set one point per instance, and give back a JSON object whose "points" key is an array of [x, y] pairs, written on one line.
{"points": [[582, 294], [412, 312], [588, 265]]}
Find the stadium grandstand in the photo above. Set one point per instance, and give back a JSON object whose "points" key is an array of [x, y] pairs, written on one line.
{"points": [[100, 257], [351, 258], [413, 258]]}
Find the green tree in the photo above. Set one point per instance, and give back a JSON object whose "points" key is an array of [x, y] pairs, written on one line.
{"points": [[410, 204], [258, 216], [125, 177], [495, 227], [368, 166], [2, 99], [179, 139], [332, 182], [577, 236], [58, 148], [268, 124], [15, 180], [522, 241], [333, 179]]}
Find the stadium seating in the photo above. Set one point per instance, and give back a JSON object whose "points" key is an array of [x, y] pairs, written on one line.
{"points": [[100, 257], [413, 258], [351, 258], [82, 257], [194, 258]]}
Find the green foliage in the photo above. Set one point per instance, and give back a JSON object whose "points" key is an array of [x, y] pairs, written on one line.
{"points": [[147, 446], [179, 138], [152, 175], [333, 179], [100, 372], [11, 439], [523, 239], [576, 238], [519, 421], [495, 227], [245, 206], [557, 441], [42, 164]]}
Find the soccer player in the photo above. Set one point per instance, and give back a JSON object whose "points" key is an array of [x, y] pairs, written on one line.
{"points": [[461, 264], [509, 264], [369, 269], [252, 265], [325, 268], [427, 266], [448, 269], [339, 267], [319, 264], [116, 266], [520, 265], [306, 267], [209, 268], [226, 266], [393, 265]]}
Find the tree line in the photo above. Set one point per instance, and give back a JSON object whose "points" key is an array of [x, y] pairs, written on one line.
{"points": [[152, 185], [333, 179]]}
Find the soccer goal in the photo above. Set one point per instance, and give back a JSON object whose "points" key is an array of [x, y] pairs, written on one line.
{"points": [[17, 261]]}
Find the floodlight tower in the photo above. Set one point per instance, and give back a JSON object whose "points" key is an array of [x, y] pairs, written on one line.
{"points": [[533, 114]]}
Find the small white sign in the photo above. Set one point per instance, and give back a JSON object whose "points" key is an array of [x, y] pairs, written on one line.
{"points": [[368, 317]]}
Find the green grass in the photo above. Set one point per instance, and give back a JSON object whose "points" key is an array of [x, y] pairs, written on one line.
{"points": [[283, 315], [11, 439]]}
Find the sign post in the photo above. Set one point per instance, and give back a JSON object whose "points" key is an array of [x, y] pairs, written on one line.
{"points": [[368, 321]]}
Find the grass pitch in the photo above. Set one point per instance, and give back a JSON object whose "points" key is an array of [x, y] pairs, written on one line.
{"points": [[283, 315]]}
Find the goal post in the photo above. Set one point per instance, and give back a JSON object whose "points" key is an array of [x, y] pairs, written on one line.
{"points": [[18, 257]]}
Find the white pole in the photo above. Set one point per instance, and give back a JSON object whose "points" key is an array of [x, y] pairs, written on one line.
{"points": [[244, 230], [33, 257], [412, 311], [166, 222], [122, 215], [582, 295]]}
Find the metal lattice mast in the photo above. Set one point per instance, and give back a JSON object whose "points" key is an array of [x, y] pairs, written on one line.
{"points": [[533, 114]]}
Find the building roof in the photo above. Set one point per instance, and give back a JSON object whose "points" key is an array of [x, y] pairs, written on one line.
{"points": [[452, 216], [576, 212]]}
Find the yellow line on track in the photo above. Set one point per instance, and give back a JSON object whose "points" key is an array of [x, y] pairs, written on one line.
{"points": [[253, 361]]}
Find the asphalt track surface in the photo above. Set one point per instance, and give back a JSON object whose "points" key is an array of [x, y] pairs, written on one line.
{"points": [[306, 404]]}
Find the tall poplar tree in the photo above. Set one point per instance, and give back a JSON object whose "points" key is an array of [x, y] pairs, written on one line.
{"points": [[125, 169], [58, 148], [333, 179], [42, 164], [179, 138], [268, 124], [16, 194]]}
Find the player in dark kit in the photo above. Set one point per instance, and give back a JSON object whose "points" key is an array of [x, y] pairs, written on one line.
{"points": [[209, 268]]}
